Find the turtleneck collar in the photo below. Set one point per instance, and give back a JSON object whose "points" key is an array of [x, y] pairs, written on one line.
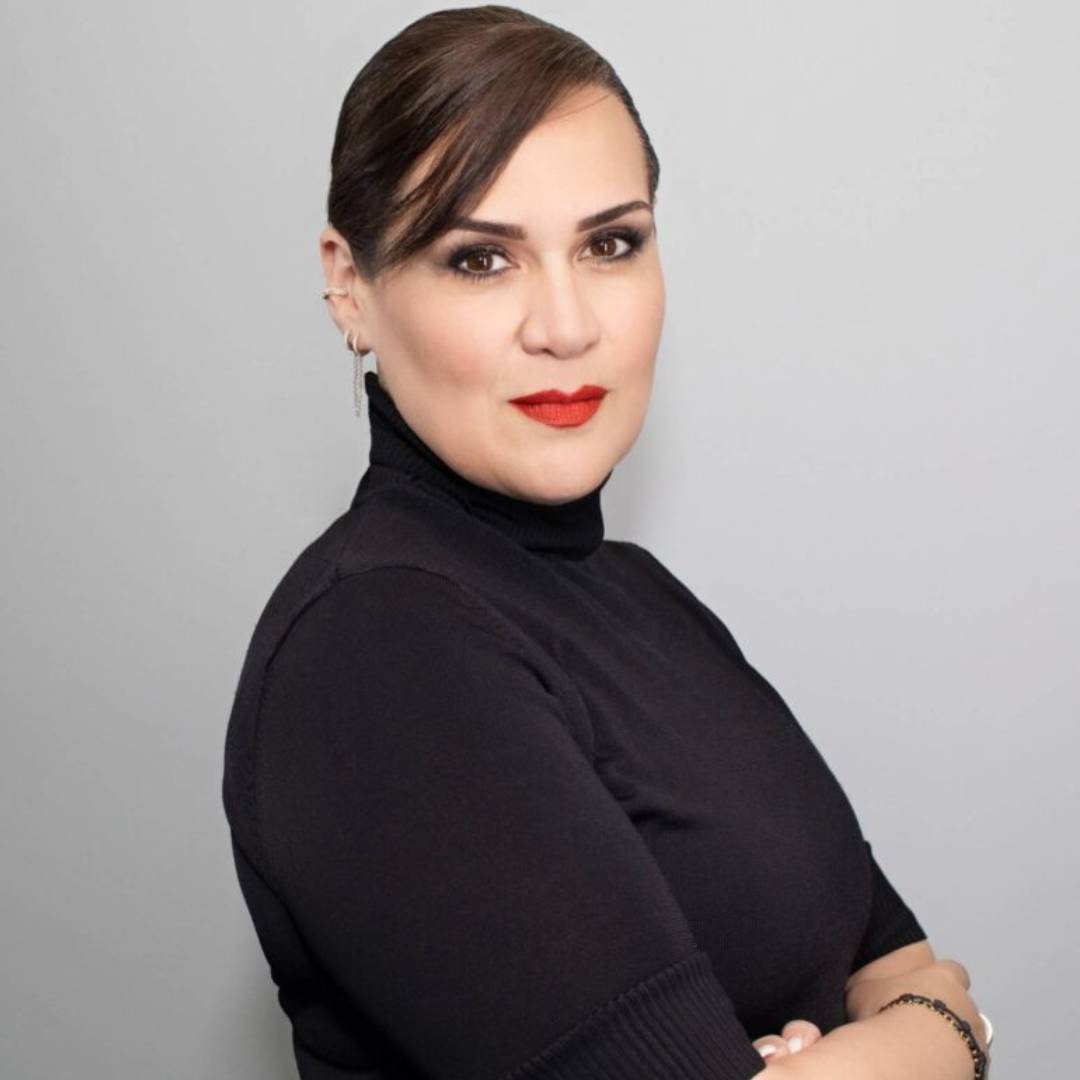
{"points": [[572, 529]]}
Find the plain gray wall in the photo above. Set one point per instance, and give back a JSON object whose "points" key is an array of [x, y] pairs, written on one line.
{"points": [[862, 453]]}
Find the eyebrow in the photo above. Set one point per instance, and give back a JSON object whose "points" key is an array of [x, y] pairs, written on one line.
{"points": [[517, 232]]}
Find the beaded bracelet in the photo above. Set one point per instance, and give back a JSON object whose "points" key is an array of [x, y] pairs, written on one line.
{"points": [[980, 1059]]}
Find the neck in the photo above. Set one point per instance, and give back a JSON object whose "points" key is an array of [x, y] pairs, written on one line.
{"points": [[571, 529]]}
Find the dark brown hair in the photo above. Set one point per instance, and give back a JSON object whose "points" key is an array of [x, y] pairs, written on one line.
{"points": [[469, 83]]}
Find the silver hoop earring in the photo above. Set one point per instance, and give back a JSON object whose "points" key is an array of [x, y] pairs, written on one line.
{"points": [[334, 291]]}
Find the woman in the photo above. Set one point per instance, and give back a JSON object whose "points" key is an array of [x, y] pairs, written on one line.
{"points": [[505, 798]]}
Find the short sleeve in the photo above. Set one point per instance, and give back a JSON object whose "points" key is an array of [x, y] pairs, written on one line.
{"points": [[891, 925], [456, 866]]}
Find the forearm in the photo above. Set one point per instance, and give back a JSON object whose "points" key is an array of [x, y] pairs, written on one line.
{"points": [[897, 1044], [899, 962]]}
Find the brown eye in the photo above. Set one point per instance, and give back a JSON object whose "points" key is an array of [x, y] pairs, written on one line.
{"points": [[606, 249], [472, 262]]}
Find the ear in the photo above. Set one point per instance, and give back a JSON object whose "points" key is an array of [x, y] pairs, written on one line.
{"points": [[350, 312]]}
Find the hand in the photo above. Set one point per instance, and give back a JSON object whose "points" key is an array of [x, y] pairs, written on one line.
{"points": [[795, 1030], [945, 979]]}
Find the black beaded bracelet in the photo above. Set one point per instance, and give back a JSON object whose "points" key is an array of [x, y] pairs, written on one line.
{"points": [[982, 1062]]}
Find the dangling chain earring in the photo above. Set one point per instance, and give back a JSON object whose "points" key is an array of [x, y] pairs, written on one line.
{"points": [[358, 356], [358, 373]]}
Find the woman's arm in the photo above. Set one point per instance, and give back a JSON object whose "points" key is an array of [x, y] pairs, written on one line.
{"points": [[899, 1043], [437, 837], [898, 962]]}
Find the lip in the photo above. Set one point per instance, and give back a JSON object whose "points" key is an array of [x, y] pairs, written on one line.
{"points": [[583, 393], [558, 409]]}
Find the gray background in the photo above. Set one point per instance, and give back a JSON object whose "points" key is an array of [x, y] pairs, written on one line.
{"points": [[862, 453]]}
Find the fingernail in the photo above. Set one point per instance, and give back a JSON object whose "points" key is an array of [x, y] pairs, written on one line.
{"points": [[766, 1051], [795, 1043]]}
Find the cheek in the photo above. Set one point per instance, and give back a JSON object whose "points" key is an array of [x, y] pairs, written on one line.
{"points": [[634, 337], [635, 318], [651, 309], [444, 340], [635, 352]]}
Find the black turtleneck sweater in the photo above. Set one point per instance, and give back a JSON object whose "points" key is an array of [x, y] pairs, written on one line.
{"points": [[507, 801]]}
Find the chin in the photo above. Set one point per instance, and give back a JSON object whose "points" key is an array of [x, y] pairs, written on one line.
{"points": [[567, 489]]}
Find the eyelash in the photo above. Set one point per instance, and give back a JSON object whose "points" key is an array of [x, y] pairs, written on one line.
{"points": [[634, 237]]}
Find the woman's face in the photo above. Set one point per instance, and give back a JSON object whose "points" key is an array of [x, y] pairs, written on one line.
{"points": [[565, 305]]}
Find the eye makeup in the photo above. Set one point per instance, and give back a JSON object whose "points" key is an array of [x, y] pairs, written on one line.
{"points": [[632, 236]]}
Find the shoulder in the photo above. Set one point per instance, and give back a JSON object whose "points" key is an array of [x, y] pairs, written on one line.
{"points": [[645, 564], [666, 583], [401, 636], [391, 606], [395, 539]]}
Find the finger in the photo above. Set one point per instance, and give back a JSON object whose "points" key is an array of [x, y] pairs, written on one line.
{"points": [[800, 1034], [771, 1047]]}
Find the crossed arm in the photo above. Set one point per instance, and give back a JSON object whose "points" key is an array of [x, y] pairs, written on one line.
{"points": [[898, 962]]}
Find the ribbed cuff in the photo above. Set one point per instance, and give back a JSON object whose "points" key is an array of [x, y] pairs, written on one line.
{"points": [[678, 1024]]}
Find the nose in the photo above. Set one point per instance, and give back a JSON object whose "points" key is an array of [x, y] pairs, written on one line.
{"points": [[560, 319]]}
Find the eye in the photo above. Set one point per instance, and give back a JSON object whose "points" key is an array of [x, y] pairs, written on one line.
{"points": [[473, 255], [632, 237], [608, 240]]}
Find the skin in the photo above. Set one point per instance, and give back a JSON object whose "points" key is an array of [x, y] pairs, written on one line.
{"points": [[453, 352], [897, 1043], [899, 962]]}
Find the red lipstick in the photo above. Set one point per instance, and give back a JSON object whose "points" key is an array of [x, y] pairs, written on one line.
{"points": [[559, 409]]}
